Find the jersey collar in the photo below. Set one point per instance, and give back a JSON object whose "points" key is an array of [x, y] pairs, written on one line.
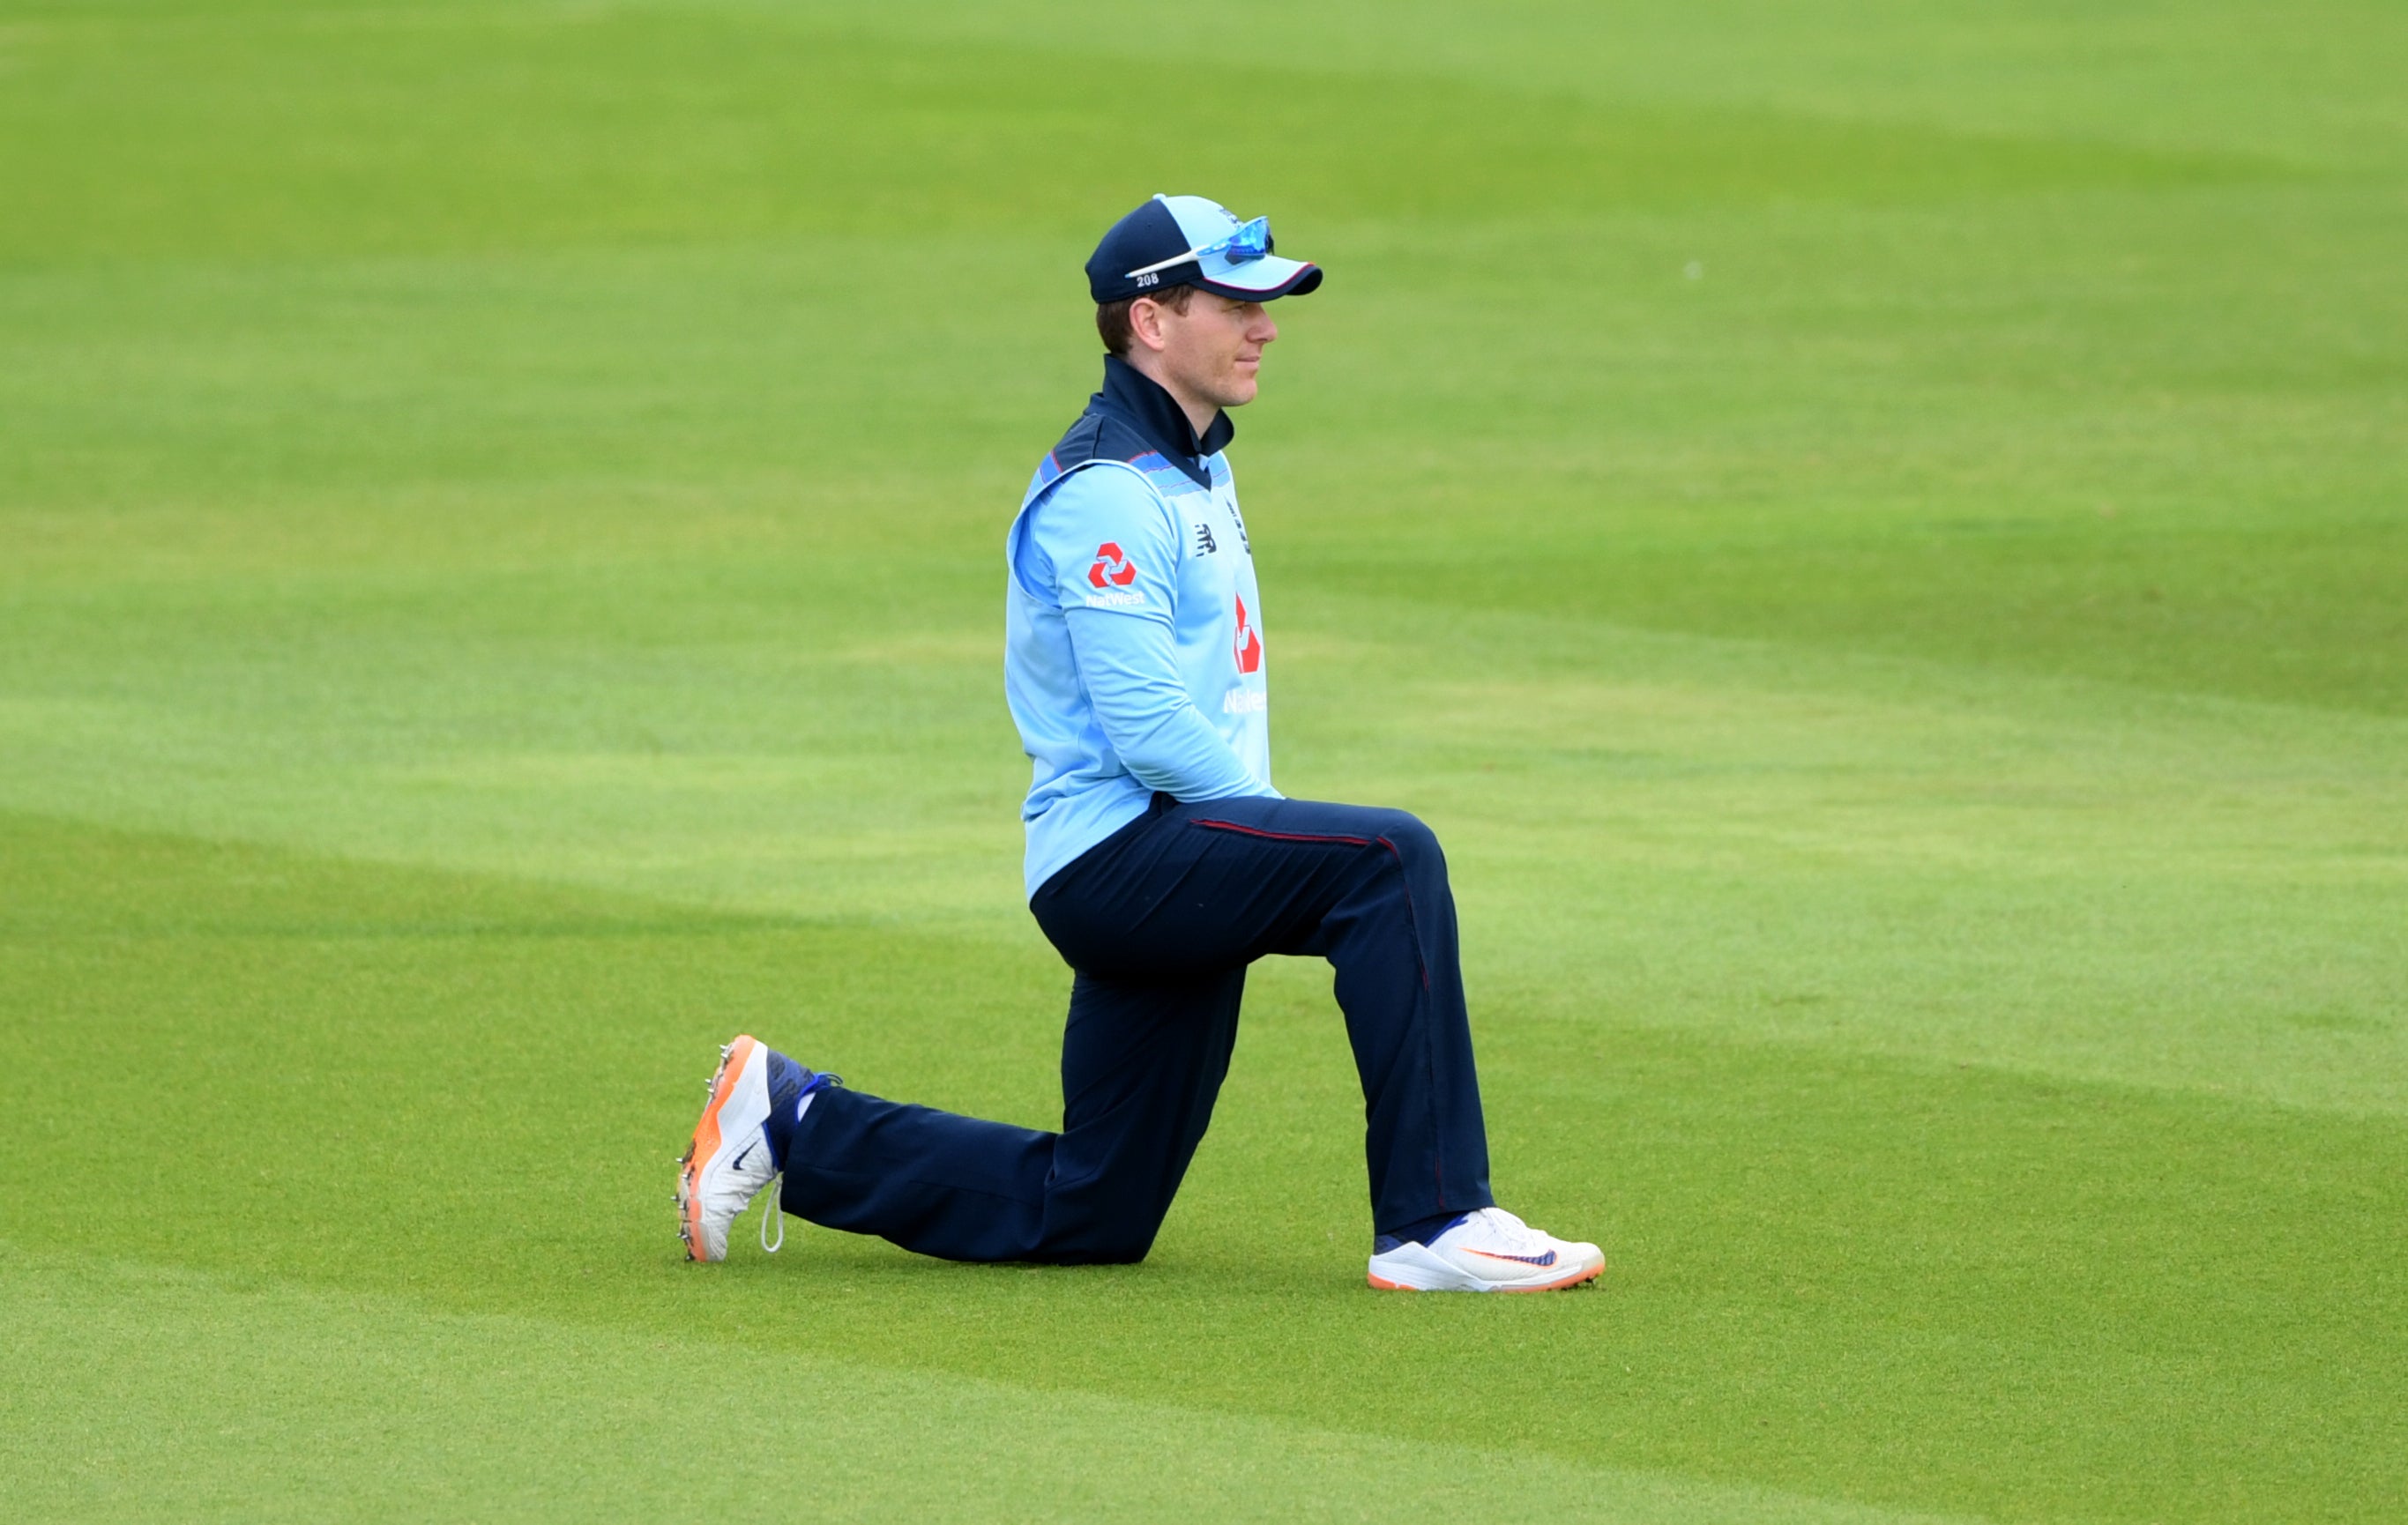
{"points": [[1141, 401]]}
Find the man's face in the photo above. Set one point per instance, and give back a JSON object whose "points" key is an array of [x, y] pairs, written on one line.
{"points": [[1214, 350]]}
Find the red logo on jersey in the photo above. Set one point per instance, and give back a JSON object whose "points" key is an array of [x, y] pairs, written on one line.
{"points": [[1248, 647], [1111, 569]]}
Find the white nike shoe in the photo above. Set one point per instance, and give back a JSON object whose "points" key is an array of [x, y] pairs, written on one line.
{"points": [[729, 1160], [1488, 1251]]}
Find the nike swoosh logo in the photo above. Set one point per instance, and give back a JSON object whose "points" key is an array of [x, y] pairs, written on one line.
{"points": [[1548, 1259], [738, 1163]]}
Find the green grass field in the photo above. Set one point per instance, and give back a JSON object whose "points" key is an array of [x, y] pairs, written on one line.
{"points": [[1877, 534]]}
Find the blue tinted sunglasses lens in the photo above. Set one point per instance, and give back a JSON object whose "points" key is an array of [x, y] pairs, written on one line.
{"points": [[1250, 242]]}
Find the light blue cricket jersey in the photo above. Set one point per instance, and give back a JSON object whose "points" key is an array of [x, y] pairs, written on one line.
{"points": [[1133, 634]]}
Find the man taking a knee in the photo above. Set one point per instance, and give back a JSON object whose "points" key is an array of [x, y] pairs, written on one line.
{"points": [[1160, 863]]}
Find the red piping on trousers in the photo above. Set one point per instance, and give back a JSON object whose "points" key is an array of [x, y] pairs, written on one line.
{"points": [[1414, 919], [1412, 914], [1296, 836]]}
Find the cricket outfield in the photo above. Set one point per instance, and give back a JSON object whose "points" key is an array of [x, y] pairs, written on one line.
{"points": [[1877, 534]]}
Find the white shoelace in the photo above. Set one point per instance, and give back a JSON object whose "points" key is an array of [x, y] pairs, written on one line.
{"points": [[770, 1212], [1503, 1228]]}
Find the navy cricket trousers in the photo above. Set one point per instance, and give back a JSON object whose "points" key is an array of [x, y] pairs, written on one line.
{"points": [[1158, 922]]}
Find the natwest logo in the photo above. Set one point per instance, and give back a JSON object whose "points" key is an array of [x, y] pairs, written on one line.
{"points": [[1111, 568], [1248, 647]]}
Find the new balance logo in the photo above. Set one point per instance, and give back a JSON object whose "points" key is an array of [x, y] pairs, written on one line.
{"points": [[1205, 544]]}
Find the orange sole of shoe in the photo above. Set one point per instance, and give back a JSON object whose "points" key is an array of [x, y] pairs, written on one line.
{"points": [[1581, 1279], [706, 1135]]}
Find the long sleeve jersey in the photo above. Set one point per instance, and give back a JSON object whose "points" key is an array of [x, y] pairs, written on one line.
{"points": [[1133, 651]]}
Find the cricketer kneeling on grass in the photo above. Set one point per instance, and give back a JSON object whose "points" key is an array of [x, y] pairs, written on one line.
{"points": [[1160, 861]]}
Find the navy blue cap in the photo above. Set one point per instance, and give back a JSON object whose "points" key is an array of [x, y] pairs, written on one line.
{"points": [[1190, 241]]}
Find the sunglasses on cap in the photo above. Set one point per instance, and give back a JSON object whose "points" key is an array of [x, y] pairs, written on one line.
{"points": [[1251, 241]]}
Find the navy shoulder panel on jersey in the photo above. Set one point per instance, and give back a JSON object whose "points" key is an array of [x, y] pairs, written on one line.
{"points": [[1102, 436]]}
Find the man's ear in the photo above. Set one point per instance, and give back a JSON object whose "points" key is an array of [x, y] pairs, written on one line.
{"points": [[1145, 324]]}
